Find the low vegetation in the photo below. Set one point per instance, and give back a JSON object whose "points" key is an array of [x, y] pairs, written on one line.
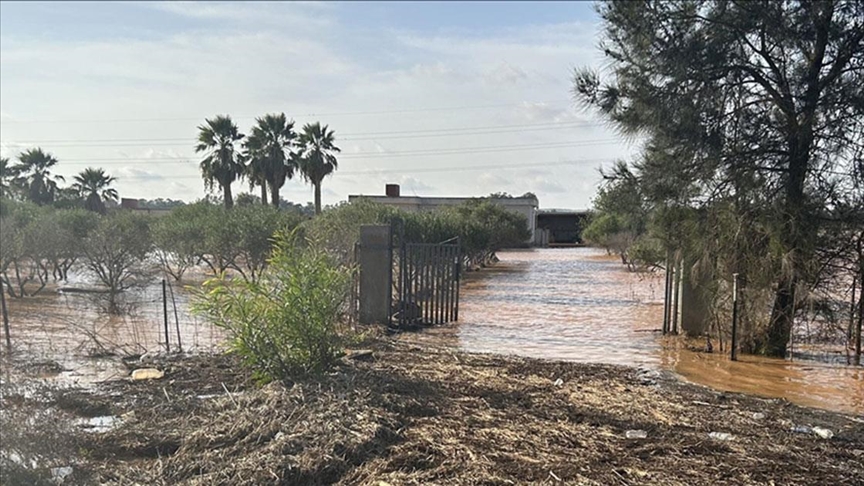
{"points": [[42, 244], [284, 324], [481, 227]]}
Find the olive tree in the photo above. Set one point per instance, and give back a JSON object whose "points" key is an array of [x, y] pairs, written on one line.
{"points": [[116, 253]]}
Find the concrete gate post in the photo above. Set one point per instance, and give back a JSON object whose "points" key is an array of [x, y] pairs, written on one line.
{"points": [[374, 255]]}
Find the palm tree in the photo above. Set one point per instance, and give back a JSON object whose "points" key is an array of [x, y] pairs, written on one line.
{"points": [[92, 184], [268, 149], [221, 164], [10, 180], [317, 157], [33, 166], [255, 172]]}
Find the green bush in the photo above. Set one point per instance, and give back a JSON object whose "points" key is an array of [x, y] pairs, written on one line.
{"points": [[285, 323], [116, 253], [223, 239], [38, 243], [482, 227]]}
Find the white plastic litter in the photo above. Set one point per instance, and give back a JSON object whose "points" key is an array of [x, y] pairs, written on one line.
{"points": [[721, 436]]}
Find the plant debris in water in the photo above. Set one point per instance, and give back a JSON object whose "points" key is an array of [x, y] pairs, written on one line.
{"points": [[418, 415]]}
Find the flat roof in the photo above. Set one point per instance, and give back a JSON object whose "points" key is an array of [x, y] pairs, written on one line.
{"points": [[444, 198], [564, 212]]}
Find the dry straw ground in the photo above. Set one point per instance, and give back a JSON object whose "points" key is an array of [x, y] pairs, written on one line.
{"points": [[418, 415]]}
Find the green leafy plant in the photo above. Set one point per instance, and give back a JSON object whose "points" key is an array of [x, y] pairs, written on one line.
{"points": [[285, 323], [116, 253]]}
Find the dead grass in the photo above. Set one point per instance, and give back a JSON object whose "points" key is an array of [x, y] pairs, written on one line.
{"points": [[417, 415]]}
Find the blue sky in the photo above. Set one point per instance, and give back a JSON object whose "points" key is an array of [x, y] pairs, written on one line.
{"points": [[444, 98]]}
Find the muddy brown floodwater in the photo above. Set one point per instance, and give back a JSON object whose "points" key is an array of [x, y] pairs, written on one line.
{"points": [[568, 304], [580, 305], [67, 324]]}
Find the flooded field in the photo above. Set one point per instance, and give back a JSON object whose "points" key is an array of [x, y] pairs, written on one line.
{"points": [[567, 304], [67, 324], [580, 305]]}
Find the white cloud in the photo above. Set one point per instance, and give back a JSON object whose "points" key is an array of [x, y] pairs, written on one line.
{"points": [[412, 186], [252, 59], [138, 174], [505, 73], [284, 14]]}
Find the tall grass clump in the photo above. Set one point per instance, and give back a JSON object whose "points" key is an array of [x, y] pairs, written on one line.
{"points": [[285, 323]]}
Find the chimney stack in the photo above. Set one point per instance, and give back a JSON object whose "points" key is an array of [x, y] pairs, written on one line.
{"points": [[392, 190]]}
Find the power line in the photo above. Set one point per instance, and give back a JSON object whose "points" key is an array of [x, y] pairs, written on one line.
{"points": [[438, 132], [477, 167], [405, 170], [348, 113], [363, 155]]}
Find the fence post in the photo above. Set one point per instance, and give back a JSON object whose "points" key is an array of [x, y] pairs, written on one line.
{"points": [[458, 280], [676, 290], [5, 317], [165, 314], [176, 318], [860, 318], [667, 294], [734, 317], [850, 333]]}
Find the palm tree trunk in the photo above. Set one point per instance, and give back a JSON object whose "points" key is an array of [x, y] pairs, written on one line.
{"points": [[264, 192], [318, 197], [226, 194], [274, 195]]}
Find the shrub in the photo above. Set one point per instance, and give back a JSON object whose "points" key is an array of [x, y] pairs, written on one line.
{"points": [[482, 227], [236, 239], [38, 243], [285, 323], [116, 252], [178, 239], [338, 228]]}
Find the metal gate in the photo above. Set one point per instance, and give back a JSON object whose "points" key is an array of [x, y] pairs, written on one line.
{"points": [[425, 287]]}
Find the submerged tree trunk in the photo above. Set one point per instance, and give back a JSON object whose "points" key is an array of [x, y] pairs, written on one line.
{"points": [[667, 293], [794, 237]]}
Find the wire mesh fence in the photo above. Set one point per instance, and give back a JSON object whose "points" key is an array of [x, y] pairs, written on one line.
{"points": [[64, 323]]}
